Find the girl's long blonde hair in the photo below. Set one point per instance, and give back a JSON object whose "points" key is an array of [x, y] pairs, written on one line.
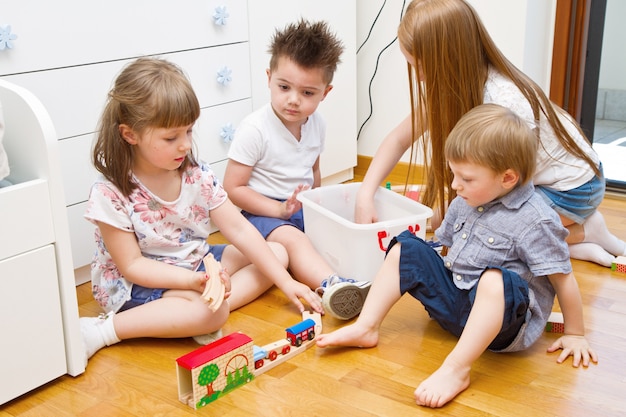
{"points": [[148, 93], [454, 51]]}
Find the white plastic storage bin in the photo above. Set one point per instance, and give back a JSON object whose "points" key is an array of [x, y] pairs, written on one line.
{"points": [[358, 250]]}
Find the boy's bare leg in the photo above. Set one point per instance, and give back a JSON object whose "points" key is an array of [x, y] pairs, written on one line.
{"points": [[383, 294], [306, 264], [483, 325]]}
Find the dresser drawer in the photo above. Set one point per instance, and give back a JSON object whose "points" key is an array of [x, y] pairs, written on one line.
{"points": [[75, 96], [64, 33], [213, 123], [33, 347], [25, 217]]}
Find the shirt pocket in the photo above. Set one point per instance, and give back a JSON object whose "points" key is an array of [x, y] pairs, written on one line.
{"points": [[490, 248]]}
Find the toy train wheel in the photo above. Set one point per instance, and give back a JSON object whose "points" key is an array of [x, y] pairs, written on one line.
{"points": [[286, 349], [258, 364], [311, 335], [298, 341], [272, 355]]}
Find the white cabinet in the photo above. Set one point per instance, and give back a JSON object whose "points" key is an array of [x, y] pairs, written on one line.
{"points": [[40, 330], [69, 52]]}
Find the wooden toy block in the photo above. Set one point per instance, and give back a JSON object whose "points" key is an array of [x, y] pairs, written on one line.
{"points": [[214, 370], [619, 264], [214, 289], [555, 323]]}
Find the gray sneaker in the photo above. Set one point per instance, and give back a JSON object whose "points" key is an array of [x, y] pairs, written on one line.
{"points": [[343, 298]]}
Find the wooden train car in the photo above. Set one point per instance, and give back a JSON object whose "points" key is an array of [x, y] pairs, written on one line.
{"points": [[305, 330]]}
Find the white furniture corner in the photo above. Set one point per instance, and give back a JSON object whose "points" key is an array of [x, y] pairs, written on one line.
{"points": [[40, 327]]}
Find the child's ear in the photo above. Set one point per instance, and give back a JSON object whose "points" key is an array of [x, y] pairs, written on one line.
{"points": [[327, 90], [127, 134], [510, 179], [269, 75]]}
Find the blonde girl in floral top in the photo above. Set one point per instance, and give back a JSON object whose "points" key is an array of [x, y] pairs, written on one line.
{"points": [[151, 207]]}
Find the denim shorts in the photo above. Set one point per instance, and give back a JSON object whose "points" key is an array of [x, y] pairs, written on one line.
{"points": [[142, 295], [266, 225], [576, 204], [424, 276]]}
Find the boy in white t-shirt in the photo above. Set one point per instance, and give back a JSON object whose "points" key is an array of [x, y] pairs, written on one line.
{"points": [[276, 153]]}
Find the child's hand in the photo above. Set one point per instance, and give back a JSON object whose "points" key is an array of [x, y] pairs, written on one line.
{"points": [[365, 213], [292, 205], [295, 291], [577, 347], [225, 277]]}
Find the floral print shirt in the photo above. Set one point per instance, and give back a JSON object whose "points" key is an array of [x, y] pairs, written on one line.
{"points": [[174, 232]]}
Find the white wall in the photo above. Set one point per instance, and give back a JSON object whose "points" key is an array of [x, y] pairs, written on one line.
{"points": [[522, 29]]}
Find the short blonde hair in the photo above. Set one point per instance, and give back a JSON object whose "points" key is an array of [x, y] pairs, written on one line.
{"points": [[494, 137]]}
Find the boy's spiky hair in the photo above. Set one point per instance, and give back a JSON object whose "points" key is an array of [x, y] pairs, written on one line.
{"points": [[309, 45]]}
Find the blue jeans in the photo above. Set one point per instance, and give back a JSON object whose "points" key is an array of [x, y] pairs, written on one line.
{"points": [[424, 276], [266, 225], [576, 204]]}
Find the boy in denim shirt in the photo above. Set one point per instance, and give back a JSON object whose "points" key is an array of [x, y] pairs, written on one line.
{"points": [[507, 259]]}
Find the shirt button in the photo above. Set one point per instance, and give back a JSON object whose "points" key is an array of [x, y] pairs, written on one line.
{"points": [[491, 240], [464, 236], [458, 277], [448, 264], [480, 209]]}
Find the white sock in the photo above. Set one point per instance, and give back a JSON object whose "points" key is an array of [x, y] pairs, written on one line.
{"points": [[97, 332], [205, 339], [591, 252], [597, 232]]}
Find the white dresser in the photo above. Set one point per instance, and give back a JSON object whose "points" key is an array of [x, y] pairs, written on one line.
{"points": [[39, 326], [68, 53]]}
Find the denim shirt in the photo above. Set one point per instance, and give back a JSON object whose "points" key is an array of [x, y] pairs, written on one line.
{"points": [[519, 232]]}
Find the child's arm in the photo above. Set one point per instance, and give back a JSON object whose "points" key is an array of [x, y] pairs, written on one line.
{"points": [[241, 233], [146, 272], [573, 342], [317, 175], [236, 180]]}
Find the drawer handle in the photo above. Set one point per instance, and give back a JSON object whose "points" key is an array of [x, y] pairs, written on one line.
{"points": [[220, 15], [227, 133], [224, 75], [6, 37]]}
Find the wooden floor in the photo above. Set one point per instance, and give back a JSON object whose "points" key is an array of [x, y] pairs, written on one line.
{"points": [[138, 377]]}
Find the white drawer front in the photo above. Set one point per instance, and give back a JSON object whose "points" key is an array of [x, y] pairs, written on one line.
{"points": [[64, 33], [75, 96], [81, 235], [25, 217], [76, 168], [215, 120], [33, 347]]}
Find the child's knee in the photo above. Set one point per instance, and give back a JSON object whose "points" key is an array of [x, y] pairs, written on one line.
{"points": [[280, 252]]}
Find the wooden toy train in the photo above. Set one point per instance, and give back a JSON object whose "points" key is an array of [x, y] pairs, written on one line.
{"points": [[211, 371]]}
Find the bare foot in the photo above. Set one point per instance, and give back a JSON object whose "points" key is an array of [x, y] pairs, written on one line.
{"points": [[442, 386], [352, 335]]}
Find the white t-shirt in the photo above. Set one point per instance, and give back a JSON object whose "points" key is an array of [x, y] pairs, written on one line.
{"points": [[173, 232], [556, 168], [280, 162]]}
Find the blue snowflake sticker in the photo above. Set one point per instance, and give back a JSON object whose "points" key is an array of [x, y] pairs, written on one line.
{"points": [[227, 133], [220, 15], [6, 37], [224, 75]]}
